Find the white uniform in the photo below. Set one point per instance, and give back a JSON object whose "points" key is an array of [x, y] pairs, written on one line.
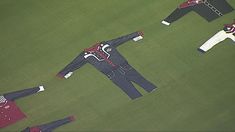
{"points": [[217, 38]]}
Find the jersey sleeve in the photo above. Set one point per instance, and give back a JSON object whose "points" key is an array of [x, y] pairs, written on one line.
{"points": [[118, 41], [77, 63], [176, 15]]}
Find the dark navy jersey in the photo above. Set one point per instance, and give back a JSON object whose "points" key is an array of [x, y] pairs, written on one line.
{"points": [[105, 59]]}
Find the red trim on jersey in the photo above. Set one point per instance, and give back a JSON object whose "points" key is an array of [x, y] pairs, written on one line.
{"points": [[93, 48], [230, 24], [72, 118], [97, 49], [230, 27], [60, 76], [190, 3], [35, 129]]}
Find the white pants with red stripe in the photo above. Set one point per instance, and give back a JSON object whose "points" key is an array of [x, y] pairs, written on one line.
{"points": [[217, 38]]}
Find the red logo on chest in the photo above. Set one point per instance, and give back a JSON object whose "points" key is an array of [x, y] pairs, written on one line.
{"points": [[98, 51]]}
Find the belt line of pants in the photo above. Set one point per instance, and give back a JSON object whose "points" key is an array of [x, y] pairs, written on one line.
{"points": [[123, 77]]}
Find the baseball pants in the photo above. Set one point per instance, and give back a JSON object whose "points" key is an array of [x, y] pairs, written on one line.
{"points": [[123, 78]]}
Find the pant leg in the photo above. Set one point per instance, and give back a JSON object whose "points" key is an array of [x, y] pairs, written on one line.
{"points": [[217, 38], [22, 93], [124, 84], [136, 77]]}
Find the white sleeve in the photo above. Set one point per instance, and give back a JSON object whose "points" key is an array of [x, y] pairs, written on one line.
{"points": [[217, 38]]}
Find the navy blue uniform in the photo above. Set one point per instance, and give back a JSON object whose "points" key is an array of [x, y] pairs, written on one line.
{"points": [[208, 9], [105, 58]]}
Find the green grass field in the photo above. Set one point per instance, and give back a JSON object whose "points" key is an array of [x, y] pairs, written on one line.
{"points": [[196, 92]]}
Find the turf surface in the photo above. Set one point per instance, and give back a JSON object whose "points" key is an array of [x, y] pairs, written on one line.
{"points": [[38, 38]]}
